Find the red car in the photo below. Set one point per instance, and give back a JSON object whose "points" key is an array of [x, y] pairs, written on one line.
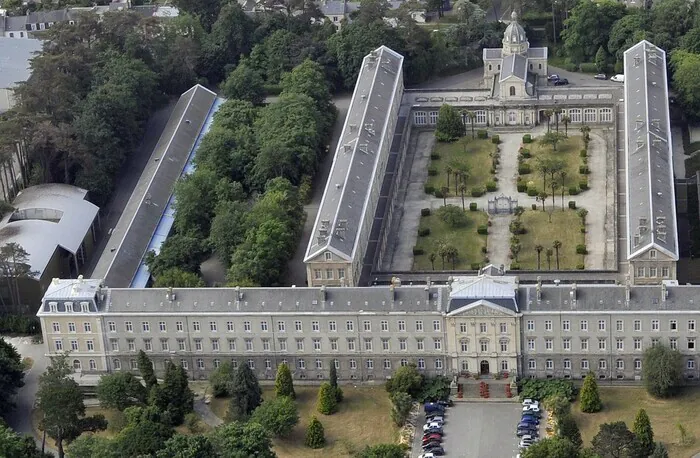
{"points": [[431, 438]]}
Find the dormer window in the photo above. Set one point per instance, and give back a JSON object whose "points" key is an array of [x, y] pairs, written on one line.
{"points": [[53, 306], [69, 307], [85, 307]]}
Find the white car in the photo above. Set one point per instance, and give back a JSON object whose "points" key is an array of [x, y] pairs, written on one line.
{"points": [[430, 425], [437, 419], [618, 78], [526, 441], [530, 402], [531, 408], [426, 455]]}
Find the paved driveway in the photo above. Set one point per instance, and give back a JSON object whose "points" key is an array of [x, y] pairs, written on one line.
{"points": [[478, 430]]}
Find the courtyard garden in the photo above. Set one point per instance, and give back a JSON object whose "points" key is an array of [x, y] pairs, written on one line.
{"points": [[346, 431], [548, 240], [450, 238], [622, 404], [463, 167], [553, 164]]}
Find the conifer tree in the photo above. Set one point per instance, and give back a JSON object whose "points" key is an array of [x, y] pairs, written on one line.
{"points": [[246, 394], [284, 385], [590, 398], [327, 402], [642, 429], [568, 429], [315, 436], [146, 369], [334, 383], [174, 395]]}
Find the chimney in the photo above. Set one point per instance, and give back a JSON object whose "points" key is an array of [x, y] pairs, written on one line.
{"points": [[322, 293], [169, 295], [80, 278], [627, 292], [392, 290], [239, 294], [664, 292], [572, 294], [539, 288]]}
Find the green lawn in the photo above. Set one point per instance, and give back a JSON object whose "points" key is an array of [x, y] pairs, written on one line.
{"points": [[474, 154], [622, 404], [347, 431], [564, 227], [465, 239], [568, 150]]}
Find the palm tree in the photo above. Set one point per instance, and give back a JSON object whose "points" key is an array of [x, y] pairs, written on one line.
{"points": [[586, 131], [471, 116], [444, 190], [566, 120], [549, 254], [542, 197], [443, 250], [562, 182], [462, 188], [452, 255], [448, 171], [557, 245], [515, 250], [538, 249], [557, 112], [432, 258], [548, 114]]}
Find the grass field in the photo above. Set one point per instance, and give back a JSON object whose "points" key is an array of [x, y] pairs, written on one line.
{"points": [[348, 430], [622, 404], [474, 154], [568, 150], [465, 239], [564, 227]]}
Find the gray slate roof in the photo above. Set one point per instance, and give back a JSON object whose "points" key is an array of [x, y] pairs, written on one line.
{"points": [[537, 53], [333, 8], [356, 165], [651, 203], [492, 53], [48, 216], [514, 65], [37, 17], [133, 231]]}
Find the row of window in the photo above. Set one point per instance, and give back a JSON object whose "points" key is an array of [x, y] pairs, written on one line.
{"points": [[69, 307], [266, 344], [332, 326], [655, 325], [300, 364], [87, 327], [483, 345], [329, 274], [602, 364], [603, 343], [464, 364], [653, 272], [484, 328]]}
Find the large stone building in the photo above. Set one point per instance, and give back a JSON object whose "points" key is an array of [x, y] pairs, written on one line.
{"points": [[485, 324]]}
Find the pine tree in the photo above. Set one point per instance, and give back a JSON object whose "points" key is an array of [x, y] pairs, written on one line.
{"points": [[284, 386], [642, 429], [568, 429], [315, 437], [327, 402], [334, 383], [174, 395], [146, 369], [590, 398], [246, 394]]}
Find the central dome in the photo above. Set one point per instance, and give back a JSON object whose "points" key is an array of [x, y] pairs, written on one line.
{"points": [[514, 34]]}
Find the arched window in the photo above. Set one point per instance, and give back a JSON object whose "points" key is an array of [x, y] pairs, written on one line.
{"points": [[76, 365], [512, 90], [489, 67]]}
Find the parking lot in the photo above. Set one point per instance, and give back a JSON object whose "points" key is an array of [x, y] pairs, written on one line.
{"points": [[478, 430]]}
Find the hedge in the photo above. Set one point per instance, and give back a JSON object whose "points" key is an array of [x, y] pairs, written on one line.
{"points": [[495, 139], [580, 266], [581, 249], [472, 206], [423, 232], [428, 189], [477, 191], [435, 156], [583, 153], [491, 186], [527, 138], [534, 206], [515, 266], [589, 67], [532, 192], [482, 230], [583, 184], [432, 171], [570, 67], [542, 389], [482, 134], [475, 266], [19, 324], [424, 212], [573, 190], [526, 154], [572, 204], [583, 170], [522, 187], [524, 169], [438, 193], [418, 251]]}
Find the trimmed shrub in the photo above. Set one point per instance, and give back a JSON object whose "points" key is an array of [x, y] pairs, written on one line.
{"points": [[526, 154], [534, 206], [522, 187], [580, 266], [574, 190], [315, 436], [572, 204], [584, 161], [532, 192], [570, 67], [475, 266], [583, 229], [416, 252], [590, 399], [484, 250], [435, 156], [524, 169], [482, 230], [438, 193], [495, 139], [583, 170], [516, 227], [493, 171], [482, 134], [432, 171], [491, 186], [424, 212], [588, 67], [327, 403], [581, 249], [423, 232], [428, 189], [527, 138], [472, 206], [452, 215], [515, 266], [583, 184], [583, 153], [477, 191]]}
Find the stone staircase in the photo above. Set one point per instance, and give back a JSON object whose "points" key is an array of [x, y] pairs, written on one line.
{"points": [[486, 389]]}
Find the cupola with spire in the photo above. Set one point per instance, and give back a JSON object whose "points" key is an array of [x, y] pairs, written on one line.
{"points": [[514, 38]]}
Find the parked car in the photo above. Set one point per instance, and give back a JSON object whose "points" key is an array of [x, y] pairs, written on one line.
{"points": [[434, 417], [436, 450], [534, 411], [553, 77], [430, 437], [520, 432], [426, 455], [432, 428], [531, 402], [619, 78], [561, 82], [427, 446], [600, 76], [526, 441], [430, 407], [526, 425], [530, 419], [446, 402]]}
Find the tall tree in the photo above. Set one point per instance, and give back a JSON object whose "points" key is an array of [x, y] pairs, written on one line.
{"points": [[147, 431], [614, 440], [284, 385], [568, 429], [449, 124], [146, 370], [221, 379], [315, 436], [245, 83], [645, 435], [662, 370], [278, 416], [12, 376], [14, 445], [333, 380], [590, 398], [246, 394], [120, 390], [406, 379], [551, 447], [180, 446], [327, 403], [178, 278], [174, 395], [588, 28], [401, 404], [237, 440], [61, 403]]}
